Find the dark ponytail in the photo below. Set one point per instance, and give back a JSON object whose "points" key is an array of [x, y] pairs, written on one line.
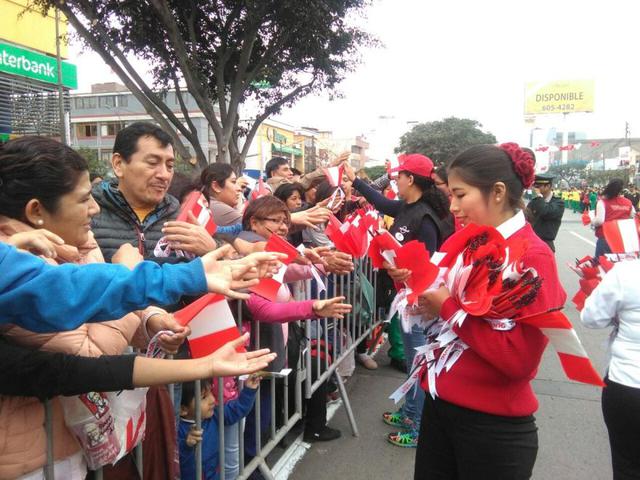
{"points": [[613, 188], [40, 168], [430, 194], [216, 172]]}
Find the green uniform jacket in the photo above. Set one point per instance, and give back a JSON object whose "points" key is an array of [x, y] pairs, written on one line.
{"points": [[546, 217]]}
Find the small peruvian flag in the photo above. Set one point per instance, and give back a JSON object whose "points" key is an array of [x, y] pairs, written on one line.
{"points": [[259, 191], [334, 175], [268, 287], [197, 205], [622, 235], [212, 324], [573, 357]]}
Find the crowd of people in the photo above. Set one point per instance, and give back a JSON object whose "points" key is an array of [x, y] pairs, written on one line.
{"points": [[103, 285]]}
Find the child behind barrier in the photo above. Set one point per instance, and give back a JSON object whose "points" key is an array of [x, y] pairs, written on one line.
{"points": [[189, 436]]}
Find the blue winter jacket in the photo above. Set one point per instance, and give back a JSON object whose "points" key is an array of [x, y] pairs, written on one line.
{"points": [[45, 298]]}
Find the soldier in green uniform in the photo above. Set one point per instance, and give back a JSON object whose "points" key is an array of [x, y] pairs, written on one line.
{"points": [[545, 210]]}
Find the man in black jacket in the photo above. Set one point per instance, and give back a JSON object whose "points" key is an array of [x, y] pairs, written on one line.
{"points": [[545, 210], [134, 206]]}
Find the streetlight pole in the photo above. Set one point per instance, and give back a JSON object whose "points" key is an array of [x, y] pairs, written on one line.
{"points": [[63, 128]]}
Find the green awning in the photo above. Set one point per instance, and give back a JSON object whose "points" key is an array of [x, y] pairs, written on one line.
{"points": [[283, 149]]}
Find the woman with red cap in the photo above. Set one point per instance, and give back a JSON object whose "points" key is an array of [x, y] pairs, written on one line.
{"points": [[422, 214]]}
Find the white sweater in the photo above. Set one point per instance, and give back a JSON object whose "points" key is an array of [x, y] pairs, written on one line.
{"points": [[616, 302]]}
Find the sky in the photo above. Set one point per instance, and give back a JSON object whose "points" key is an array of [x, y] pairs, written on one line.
{"points": [[472, 59]]}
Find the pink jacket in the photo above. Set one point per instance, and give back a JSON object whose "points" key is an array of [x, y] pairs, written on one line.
{"points": [[22, 435]]}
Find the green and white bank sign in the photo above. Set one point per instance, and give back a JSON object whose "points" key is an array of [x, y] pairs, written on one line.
{"points": [[26, 63]]}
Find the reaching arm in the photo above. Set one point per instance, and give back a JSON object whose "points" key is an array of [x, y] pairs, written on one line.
{"points": [[382, 203], [45, 298]]}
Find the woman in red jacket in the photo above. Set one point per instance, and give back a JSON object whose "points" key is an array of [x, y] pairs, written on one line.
{"points": [[480, 424]]}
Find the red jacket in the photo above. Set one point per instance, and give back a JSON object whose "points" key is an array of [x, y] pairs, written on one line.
{"points": [[493, 375], [617, 208]]}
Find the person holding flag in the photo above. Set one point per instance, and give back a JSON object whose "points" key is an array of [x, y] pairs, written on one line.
{"points": [[422, 213], [478, 416]]}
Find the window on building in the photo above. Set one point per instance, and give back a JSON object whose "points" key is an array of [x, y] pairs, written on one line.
{"points": [[87, 130], [105, 156], [110, 129], [123, 101], [85, 102], [356, 149], [108, 101]]}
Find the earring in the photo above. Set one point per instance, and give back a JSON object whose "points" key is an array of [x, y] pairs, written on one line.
{"points": [[40, 222]]}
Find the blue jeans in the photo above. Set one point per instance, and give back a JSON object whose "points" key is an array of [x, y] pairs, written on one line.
{"points": [[601, 247], [231, 451], [414, 400]]}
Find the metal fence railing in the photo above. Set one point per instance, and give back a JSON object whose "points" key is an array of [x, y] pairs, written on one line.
{"points": [[327, 343]]}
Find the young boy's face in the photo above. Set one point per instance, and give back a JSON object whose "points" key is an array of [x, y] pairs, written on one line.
{"points": [[207, 405]]}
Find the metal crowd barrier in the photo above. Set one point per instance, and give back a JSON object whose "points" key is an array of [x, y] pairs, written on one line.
{"points": [[327, 335]]}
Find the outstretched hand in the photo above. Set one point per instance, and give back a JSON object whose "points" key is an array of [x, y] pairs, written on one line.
{"points": [[331, 308], [40, 242], [228, 362]]}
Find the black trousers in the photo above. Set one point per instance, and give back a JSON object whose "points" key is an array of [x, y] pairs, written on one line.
{"points": [[458, 443], [621, 411]]}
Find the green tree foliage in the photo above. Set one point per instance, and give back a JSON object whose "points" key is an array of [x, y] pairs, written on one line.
{"points": [[375, 172], [225, 52], [442, 140]]}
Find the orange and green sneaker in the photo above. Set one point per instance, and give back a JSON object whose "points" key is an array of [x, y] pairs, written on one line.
{"points": [[397, 419], [405, 439]]}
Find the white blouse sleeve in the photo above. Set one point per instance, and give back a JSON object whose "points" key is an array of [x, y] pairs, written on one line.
{"points": [[600, 211], [604, 303]]}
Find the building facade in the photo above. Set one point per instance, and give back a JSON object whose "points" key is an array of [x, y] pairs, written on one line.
{"points": [[29, 74], [97, 117]]}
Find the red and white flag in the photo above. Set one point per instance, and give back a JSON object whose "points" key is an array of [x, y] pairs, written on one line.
{"points": [[622, 235], [197, 205], [259, 191], [211, 322], [334, 175], [269, 287], [573, 358]]}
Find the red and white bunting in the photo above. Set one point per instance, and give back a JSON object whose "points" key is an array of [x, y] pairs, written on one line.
{"points": [[211, 322], [622, 235], [334, 175]]}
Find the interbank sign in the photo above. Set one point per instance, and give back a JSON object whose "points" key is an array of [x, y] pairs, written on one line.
{"points": [[26, 63]]}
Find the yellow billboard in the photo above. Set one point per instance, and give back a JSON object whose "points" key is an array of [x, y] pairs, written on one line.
{"points": [[567, 96], [27, 27]]}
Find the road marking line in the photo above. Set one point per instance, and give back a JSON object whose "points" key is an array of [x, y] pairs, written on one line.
{"points": [[583, 238]]}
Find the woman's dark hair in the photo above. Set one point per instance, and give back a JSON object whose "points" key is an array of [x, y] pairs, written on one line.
{"points": [[430, 194], [441, 171], [262, 208], [189, 391], [324, 191], [481, 166], [36, 167], [284, 191], [181, 186], [216, 172], [613, 188]]}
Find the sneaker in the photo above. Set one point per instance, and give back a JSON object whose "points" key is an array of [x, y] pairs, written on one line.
{"points": [[366, 361], [408, 439], [325, 435], [398, 420]]}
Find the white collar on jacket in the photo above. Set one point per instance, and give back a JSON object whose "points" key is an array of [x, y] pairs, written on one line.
{"points": [[512, 225]]}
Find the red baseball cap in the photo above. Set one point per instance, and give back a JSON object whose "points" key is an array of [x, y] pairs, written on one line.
{"points": [[416, 164]]}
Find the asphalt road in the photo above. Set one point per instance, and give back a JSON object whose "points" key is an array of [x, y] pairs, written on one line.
{"points": [[573, 439]]}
